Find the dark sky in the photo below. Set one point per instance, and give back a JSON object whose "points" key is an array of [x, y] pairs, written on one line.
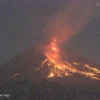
{"points": [[22, 21]]}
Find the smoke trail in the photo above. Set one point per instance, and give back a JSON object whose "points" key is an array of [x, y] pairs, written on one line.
{"points": [[70, 19]]}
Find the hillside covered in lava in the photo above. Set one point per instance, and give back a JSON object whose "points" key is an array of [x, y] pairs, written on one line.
{"points": [[25, 64], [19, 78]]}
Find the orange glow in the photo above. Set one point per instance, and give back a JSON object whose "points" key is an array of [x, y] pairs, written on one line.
{"points": [[51, 75], [60, 68], [65, 24], [16, 75]]}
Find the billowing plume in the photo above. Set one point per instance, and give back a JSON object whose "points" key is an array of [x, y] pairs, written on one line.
{"points": [[70, 19]]}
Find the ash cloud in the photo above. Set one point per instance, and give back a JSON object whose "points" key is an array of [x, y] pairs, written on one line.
{"points": [[70, 19]]}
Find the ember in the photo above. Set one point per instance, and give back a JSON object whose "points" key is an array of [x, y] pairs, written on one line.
{"points": [[60, 68]]}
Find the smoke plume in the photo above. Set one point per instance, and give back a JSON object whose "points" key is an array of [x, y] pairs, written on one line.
{"points": [[70, 19]]}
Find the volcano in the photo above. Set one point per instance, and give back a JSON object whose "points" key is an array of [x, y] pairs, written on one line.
{"points": [[19, 79]]}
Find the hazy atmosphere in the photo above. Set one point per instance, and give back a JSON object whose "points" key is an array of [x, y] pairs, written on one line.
{"points": [[49, 50], [22, 24]]}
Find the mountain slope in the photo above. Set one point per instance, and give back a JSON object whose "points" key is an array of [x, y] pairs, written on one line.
{"points": [[19, 79], [25, 64]]}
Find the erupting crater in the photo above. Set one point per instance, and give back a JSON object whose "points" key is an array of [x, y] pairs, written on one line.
{"points": [[59, 68]]}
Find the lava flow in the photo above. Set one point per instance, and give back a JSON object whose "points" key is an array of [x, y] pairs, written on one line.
{"points": [[60, 68]]}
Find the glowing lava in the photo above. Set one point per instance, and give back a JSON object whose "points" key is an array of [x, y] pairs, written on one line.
{"points": [[60, 68]]}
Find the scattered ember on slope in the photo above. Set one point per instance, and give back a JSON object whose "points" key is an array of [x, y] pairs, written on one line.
{"points": [[60, 68]]}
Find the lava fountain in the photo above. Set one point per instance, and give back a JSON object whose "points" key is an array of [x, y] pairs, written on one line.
{"points": [[65, 24], [60, 68]]}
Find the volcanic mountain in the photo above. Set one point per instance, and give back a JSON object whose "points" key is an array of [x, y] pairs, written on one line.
{"points": [[19, 78]]}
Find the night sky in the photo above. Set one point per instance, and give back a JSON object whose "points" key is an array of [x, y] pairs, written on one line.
{"points": [[22, 23]]}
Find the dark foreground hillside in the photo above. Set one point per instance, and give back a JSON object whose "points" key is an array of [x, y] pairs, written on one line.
{"points": [[48, 90]]}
